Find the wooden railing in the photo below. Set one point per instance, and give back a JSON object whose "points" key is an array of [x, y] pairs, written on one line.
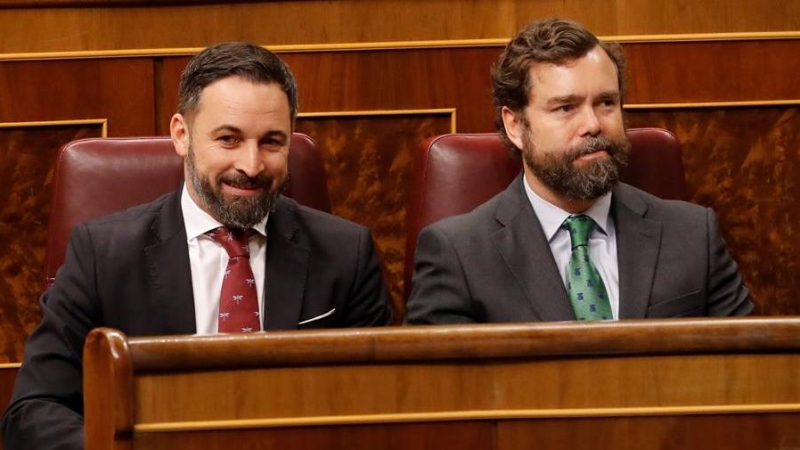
{"points": [[730, 383]]}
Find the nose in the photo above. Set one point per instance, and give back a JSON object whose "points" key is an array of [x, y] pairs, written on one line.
{"points": [[590, 125], [249, 160]]}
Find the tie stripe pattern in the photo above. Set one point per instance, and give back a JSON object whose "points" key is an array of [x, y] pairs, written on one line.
{"points": [[587, 292], [238, 302]]}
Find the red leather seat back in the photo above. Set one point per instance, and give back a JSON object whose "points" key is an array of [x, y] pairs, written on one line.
{"points": [[455, 173], [99, 176]]}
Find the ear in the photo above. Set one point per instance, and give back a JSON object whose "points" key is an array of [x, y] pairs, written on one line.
{"points": [[513, 125], [179, 131]]}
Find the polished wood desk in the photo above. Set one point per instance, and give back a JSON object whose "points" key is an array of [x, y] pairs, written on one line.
{"points": [[704, 384]]}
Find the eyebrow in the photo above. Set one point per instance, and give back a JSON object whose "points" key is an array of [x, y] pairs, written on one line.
{"points": [[237, 130], [609, 95], [569, 99], [229, 128], [564, 99]]}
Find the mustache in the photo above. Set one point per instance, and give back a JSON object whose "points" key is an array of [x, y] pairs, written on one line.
{"points": [[593, 145], [242, 181]]}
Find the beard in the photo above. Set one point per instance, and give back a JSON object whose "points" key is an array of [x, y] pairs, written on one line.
{"points": [[234, 211], [559, 173]]}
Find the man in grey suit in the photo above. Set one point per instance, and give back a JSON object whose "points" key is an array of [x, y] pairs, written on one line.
{"points": [[164, 267], [566, 240]]}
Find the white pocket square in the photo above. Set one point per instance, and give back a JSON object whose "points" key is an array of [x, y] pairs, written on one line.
{"points": [[321, 316]]}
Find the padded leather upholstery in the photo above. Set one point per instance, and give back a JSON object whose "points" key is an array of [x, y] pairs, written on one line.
{"points": [[98, 176], [454, 173]]}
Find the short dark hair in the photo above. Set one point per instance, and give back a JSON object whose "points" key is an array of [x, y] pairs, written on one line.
{"points": [[553, 41], [249, 61]]}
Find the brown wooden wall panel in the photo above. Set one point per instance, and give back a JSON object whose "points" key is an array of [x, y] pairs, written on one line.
{"points": [[369, 160], [399, 79], [733, 432], [741, 431], [167, 79], [119, 90], [357, 21], [680, 72], [417, 436], [8, 373], [631, 385], [745, 163], [28, 157]]}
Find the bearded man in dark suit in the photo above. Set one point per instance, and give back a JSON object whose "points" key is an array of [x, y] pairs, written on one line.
{"points": [[161, 268], [566, 240]]}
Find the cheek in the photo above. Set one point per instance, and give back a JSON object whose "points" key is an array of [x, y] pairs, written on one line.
{"points": [[214, 168], [211, 160], [613, 123], [552, 136], [277, 164]]}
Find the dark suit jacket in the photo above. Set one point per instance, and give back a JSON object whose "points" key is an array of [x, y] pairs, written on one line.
{"points": [[494, 264], [131, 271]]}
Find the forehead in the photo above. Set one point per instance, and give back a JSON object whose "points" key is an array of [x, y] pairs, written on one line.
{"points": [[591, 74], [234, 97]]}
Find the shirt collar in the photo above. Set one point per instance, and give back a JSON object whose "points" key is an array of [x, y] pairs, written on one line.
{"points": [[551, 216], [199, 222]]}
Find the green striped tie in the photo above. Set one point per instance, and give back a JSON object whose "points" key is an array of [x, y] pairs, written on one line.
{"points": [[586, 289]]}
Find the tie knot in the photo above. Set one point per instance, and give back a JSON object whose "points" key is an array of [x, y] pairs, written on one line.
{"points": [[235, 241], [580, 228]]}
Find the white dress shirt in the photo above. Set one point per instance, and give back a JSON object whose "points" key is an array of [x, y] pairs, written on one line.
{"points": [[602, 242], [208, 260]]}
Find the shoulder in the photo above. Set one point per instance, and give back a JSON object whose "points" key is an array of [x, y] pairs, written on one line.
{"points": [[486, 218], [137, 221], [136, 213], [656, 208], [475, 221]]}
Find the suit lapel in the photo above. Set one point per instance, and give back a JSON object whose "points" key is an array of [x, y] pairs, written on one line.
{"points": [[286, 270], [169, 270], [638, 243], [524, 247]]}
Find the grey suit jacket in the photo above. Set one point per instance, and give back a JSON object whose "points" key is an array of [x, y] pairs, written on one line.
{"points": [[494, 264], [131, 271]]}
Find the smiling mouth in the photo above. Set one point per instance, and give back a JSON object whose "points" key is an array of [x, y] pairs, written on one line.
{"points": [[244, 189]]}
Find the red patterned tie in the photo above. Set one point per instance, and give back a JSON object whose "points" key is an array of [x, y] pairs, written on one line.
{"points": [[238, 303]]}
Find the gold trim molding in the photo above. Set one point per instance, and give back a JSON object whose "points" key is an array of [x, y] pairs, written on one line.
{"points": [[57, 123], [10, 366], [396, 45], [388, 112], [449, 416], [695, 105]]}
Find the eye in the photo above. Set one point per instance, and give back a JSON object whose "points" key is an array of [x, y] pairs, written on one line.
{"points": [[273, 143], [228, 140], [564, 108], [609, 102]]}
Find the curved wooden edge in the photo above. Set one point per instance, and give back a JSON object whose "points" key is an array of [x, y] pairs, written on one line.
{"points": [[108, 387], [466, 342]]}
